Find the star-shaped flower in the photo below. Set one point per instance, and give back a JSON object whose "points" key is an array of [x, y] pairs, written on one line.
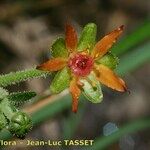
{"points": [[84, 64]]}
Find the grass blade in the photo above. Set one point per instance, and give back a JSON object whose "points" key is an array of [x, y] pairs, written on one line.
{"points": [[140, 34]]}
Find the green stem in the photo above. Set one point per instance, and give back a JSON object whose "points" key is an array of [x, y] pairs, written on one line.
{"points": [[19, 76], [51, 109], [71, 122]]}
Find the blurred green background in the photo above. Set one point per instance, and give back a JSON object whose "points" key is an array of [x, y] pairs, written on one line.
{"points": [[27, 29]]}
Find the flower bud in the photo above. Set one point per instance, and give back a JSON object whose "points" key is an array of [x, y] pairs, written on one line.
{"points": [[20, 124]]}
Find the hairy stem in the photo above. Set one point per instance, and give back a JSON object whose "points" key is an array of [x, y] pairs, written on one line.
{"points": [[19, 76]]}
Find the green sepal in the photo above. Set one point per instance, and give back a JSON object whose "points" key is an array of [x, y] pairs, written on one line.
{"points": [[88, 37], [18, 98], [61, 81], [92, 92], [58, 48], [3, 121], [20, 124], [109, 60]]}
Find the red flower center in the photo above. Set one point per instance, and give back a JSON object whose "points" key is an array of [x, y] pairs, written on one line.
{"points": [[80, 64]]}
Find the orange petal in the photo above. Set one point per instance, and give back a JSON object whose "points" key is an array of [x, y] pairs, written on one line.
{"points": [[75, 92], [109, 78], [54, 64], [102, 47], [71, 38]]}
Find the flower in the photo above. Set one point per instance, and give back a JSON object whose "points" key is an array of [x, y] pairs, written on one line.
{"points": [[83, 62]]}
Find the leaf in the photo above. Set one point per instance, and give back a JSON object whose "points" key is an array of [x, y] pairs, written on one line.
{"points": [[92, 92], [3, 93], [58, 48], [61, 81], [109, 60], [19, 98], [3, 121], [87, 37], [7, 108]]}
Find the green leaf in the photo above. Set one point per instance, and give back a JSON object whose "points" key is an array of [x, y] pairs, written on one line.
{"points": [[3, 93], [7, 108], [61, 81], [19, 98], [109, 60], [58, 48], [92, 92], [87, 37], [3, 121]]}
